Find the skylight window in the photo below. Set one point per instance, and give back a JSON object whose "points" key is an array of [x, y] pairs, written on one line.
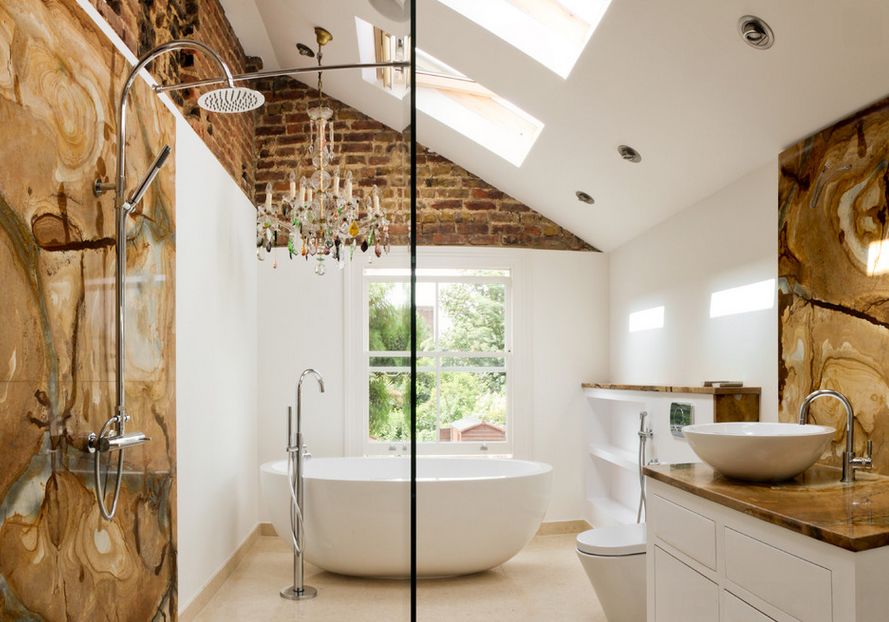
{"points": [[378, 46], [450, 97], [469, 108], [552, 32]]}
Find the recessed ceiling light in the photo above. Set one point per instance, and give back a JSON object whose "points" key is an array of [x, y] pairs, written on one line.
{"points": [[755, 32], [629, 154], [584, 197]]}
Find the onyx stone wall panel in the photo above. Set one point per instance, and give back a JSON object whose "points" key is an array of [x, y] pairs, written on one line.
{"points": [[834, 277], [59, 560]]}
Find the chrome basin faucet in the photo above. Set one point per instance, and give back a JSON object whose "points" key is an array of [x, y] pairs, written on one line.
{"points": [[851, 463]]}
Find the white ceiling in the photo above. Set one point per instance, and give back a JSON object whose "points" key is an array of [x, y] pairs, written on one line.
{"points": [[671, 78]]}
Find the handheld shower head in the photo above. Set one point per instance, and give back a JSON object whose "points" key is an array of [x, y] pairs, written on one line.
{"points": [[231, 99], [155, 168]]}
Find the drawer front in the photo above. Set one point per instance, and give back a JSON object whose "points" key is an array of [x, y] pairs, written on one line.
{"points": [[736, 610], [793, 585], [682, 594], [688, 531]]}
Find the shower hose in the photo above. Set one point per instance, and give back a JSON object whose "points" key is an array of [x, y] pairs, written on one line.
{"points": [[296, 515], [644, 435]]}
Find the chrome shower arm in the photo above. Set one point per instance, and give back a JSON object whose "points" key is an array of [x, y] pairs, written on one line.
{"points": [[278, 73]]}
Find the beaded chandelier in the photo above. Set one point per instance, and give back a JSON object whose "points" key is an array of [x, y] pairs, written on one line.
{"points": [[326, 220]]}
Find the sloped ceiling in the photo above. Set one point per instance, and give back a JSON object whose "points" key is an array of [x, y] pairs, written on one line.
{"points": [[672, 79]]}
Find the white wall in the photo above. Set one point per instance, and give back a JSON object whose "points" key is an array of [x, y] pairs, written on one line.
{"points": [[726, 240], [569, 324], [301, 325], [216, 393]]}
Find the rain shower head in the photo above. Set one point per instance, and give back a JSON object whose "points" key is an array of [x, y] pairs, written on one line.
{"points": [[231, 99]]}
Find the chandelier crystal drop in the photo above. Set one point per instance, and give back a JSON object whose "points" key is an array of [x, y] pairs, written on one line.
{"points": [[326, 220]]}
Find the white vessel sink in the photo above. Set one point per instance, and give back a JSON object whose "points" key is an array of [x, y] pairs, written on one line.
{"points": [[759, 452]]}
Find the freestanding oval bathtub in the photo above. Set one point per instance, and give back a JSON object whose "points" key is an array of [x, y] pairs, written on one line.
{"points": [[472, 513]]}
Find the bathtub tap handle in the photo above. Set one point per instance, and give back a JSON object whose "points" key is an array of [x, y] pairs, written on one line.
{"points": [[306, 453]]}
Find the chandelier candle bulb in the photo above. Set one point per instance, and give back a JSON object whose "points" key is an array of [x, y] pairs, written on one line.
{"points": [[349, 185], [292, 185], [336, 182], [268, 197], [302, 190]]}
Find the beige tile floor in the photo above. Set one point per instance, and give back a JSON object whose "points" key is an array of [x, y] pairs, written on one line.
{"points": [[543, 583]]}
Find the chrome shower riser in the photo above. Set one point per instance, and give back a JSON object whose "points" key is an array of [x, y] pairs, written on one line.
{"points": [[122, 209]]}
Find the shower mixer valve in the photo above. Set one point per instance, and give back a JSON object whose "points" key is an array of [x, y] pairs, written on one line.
{"points": [[111, 440]]}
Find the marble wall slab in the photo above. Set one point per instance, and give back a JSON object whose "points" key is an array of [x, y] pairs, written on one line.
{"points": [[834, 277], [59, 79]]}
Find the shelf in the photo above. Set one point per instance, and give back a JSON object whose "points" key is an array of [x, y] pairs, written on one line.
{"points": [[654, 388], [623, 458], [728, 403], [606, 511]]}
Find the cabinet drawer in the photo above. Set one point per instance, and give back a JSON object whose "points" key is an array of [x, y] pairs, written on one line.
{"points": [[688, 531], [682, 594], [793, 585], [736, 610]]}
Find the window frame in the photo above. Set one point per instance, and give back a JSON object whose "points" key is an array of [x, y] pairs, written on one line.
{"points": [[358, 440]]}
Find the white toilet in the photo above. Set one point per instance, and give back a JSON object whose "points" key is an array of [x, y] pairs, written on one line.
{"points": [[614, 560]]}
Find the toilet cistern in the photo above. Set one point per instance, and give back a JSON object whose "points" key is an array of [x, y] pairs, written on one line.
{"points": [[851, 462]]}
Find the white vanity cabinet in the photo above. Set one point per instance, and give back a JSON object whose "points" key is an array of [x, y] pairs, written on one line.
{"points": [[709, 563], [682, 593]]}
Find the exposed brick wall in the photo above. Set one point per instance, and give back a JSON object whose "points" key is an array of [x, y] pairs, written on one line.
{"points": [[143, 24], [454, 206]]}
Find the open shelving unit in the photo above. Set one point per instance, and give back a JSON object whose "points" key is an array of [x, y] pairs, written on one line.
{"points": [[617, 456], [612, 471]]}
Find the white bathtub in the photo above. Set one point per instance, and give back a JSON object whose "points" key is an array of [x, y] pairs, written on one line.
{"points": [[472, 513]]}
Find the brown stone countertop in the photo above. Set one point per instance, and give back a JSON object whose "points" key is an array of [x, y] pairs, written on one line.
{"points": [[816, 504], [670, 389]]}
